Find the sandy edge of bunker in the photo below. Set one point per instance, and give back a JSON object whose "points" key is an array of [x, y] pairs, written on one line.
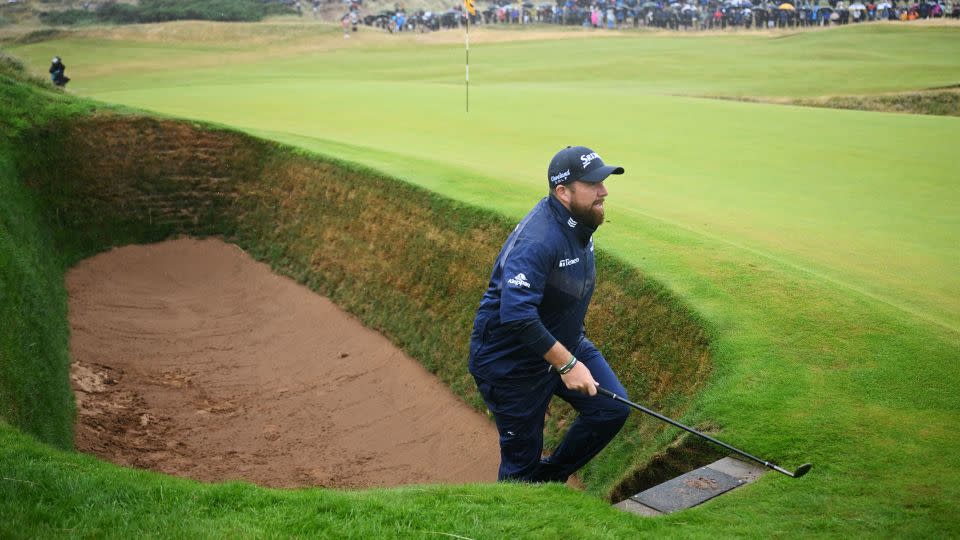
{"points": [[192, 359]]}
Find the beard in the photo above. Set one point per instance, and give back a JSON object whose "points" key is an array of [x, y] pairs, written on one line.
{"points": [[590, 214]]}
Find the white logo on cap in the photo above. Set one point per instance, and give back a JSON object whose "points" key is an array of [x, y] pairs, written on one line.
{"points": [[560, 177], [587, 158]]}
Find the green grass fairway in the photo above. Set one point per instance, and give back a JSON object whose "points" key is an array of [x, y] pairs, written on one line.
{"points": [[821, 246]]}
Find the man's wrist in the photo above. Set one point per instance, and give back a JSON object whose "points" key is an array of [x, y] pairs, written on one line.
{"points": [[568, 366]]}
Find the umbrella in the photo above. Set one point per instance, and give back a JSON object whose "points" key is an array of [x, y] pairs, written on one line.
{"points": [[884, 5], [857, 7], [787, 6], [649, 5]]}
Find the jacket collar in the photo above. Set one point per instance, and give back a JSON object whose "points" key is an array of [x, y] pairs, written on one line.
{"points": [[580, 231]]}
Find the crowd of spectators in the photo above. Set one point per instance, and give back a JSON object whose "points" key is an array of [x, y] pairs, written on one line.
{"points": [[674, 14]]}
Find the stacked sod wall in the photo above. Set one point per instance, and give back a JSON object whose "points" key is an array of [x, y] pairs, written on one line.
{"points": [[408, 263]]}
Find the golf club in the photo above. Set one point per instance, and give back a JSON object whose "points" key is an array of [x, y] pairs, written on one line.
{"points": [[801, 470]]}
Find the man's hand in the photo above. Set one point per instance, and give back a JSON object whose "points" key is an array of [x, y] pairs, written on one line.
{"points": [[580, 379]]}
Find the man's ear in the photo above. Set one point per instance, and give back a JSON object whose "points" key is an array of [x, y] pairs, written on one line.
{"points": [[563, 193]]}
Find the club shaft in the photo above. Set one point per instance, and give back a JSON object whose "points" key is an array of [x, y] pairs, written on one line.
{"points": [[673, 422]]}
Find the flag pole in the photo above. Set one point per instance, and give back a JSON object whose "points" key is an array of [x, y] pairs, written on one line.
{"points": [[467, 43]]}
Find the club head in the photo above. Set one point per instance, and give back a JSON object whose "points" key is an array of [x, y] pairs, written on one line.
{"points": [[802, 470]]}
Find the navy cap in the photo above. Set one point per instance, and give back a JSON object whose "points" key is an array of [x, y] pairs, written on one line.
{"points": [[578, 163]]}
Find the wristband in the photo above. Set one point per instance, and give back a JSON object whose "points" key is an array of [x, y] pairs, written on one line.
{"points": [[566, 369]]}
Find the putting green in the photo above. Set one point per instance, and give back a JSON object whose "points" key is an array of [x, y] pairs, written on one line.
{"points": [[859, 199], [820, 245]]}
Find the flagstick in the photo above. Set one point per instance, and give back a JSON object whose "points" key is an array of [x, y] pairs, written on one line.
{"points": [[467, 40]]}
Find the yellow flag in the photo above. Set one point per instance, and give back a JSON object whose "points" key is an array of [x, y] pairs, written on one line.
{"points": [[471, 6]]}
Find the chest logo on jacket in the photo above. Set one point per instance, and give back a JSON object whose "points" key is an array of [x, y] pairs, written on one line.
{"points": [[569, 262]]}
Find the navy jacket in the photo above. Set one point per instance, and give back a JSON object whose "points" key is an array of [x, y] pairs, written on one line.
{"points": [[539, 291]]}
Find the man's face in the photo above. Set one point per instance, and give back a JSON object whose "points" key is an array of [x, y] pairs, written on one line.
{"points": [[586, 202]]}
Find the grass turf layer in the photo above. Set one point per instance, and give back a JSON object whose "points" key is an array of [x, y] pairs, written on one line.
{"points": [[408, 263], [34, 385], [47, 493]]}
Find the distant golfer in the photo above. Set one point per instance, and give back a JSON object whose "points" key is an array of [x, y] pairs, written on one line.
{"points": [[528, 342]]}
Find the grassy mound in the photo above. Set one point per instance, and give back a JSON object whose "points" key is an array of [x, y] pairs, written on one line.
{"points": [[936, 102], [408, 263], [944, 102]]}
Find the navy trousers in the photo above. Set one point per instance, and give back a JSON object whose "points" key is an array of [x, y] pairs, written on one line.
{"points": [[519, 408]]}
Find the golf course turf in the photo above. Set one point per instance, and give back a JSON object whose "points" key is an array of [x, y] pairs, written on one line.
{"points": [[817, 247]]}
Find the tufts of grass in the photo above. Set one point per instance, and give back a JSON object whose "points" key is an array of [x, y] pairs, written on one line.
{"points": [[13, 68]]}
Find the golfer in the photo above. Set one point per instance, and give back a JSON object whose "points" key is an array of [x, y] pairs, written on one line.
{"points": [[528, 342]]}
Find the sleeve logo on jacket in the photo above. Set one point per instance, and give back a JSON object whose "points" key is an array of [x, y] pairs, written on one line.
{"points": [[519, 281]]}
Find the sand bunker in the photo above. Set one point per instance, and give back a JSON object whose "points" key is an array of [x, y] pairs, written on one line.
{"points": [[192, 359]]}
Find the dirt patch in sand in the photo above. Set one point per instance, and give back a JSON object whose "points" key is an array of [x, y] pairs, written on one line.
{"points": [[192, 359]]}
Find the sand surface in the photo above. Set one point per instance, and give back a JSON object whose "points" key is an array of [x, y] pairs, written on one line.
{"points": [[192, 359]]}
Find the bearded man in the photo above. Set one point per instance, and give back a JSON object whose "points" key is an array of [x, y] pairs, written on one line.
{"points": [[528, 341]]}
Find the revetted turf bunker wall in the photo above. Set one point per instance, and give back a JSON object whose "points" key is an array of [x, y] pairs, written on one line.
{"points": [[407, 262]]}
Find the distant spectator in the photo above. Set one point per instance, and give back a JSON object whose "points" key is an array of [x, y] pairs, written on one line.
{"points": [[57, 69], [688, 14]]}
